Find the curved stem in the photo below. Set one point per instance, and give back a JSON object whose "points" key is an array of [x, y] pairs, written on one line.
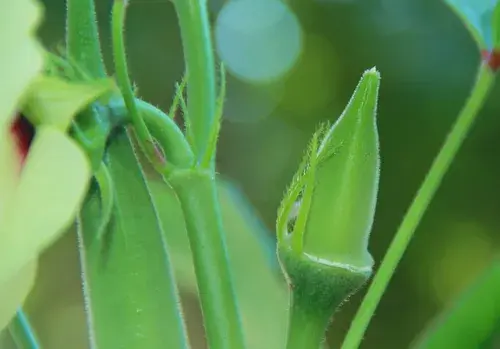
{"points": [[82, 37], [121, 70], [22, 333], [199, 57], [419, 205], [197, 194], [163, 129]]}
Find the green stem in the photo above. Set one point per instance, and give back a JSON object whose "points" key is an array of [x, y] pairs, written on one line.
{"points": [[469, 113], [22, 332], [144, 138], [306, 328], [197, 194], [82, 37], [199, 57]]}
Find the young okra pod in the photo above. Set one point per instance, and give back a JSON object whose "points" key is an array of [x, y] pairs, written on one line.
{"points": [[326, 216]]}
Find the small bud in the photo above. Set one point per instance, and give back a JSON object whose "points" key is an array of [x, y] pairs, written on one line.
{"points": [[326, 216]]}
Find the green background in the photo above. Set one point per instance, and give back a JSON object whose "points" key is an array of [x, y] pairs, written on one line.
{"points": [[427, 60]]}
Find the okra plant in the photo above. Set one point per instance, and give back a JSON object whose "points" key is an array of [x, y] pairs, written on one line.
{"points": [[78, 136]]}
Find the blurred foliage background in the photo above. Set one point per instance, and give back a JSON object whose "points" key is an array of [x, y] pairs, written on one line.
{"points": [[289, 70]]}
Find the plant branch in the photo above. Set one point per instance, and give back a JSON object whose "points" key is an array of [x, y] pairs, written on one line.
{"points": [[22, 332], [442, 162], [144, 137], [199, 57]]}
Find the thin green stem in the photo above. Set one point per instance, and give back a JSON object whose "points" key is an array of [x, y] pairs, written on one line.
{"points": [[209, 159], [469, 113], [122, 76], [22, 332], [82, 37], [199, 57], [306, 330], [196, 190]]}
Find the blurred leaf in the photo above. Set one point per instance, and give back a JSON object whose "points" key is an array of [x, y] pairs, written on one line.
{"points": [[481, 19], [20, 62], [472, 320], [22, 57], [260, 290], [131, 295], [55, 168]]}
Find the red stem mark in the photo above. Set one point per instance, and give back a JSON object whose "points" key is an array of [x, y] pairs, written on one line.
{"points": [[23, 132], [492, 58]]}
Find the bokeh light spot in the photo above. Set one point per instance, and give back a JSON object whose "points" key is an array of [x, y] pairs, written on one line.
{"points": [[259, 40], [461, 259], [312, 85]]}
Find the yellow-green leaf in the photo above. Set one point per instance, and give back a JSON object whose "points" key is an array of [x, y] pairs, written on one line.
{"points": [[55, 102]]}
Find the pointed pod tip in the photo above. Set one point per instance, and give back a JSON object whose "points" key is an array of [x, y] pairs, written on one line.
{"points": [[372, 72]]}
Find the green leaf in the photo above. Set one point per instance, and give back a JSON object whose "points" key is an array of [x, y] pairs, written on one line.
{"points": [[106, 195], [128, 279], [55, 102], [481, 19], [471, 320], [496, 27], [260, 289], [82, 36]]}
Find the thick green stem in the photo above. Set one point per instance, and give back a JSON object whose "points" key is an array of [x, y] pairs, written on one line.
{"points": [[197, 194], [22, 332], [442, 162], [82, 37], [306, 329], [199, 57]]}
